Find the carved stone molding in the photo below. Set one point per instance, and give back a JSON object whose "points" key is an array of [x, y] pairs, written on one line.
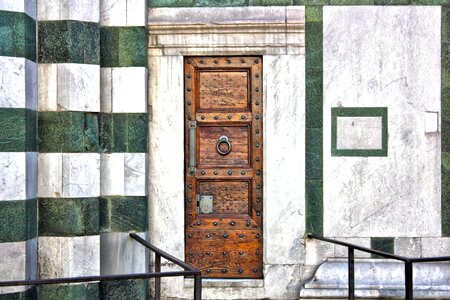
{"points": [[228, 31]]}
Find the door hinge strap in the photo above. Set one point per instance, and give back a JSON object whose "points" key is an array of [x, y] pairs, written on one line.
{"points": [[192, 147]]}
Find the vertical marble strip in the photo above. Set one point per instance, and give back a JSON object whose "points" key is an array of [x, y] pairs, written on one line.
{"points": [[314, 123], [445, 120]]}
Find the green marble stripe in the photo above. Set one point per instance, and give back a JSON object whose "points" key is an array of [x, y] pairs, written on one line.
{"points": [[82, 132], [123, 214], [68, 132], [136, 289], [314, 120], [123, 47], [314, 206], [445, 121], [68, 216], [70, 292], [385, 244], [17, 35], [17, 130], [18, 220], [68, 41], [123, 132]]}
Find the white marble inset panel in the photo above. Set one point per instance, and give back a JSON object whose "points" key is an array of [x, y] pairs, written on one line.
{"points": [[284, 168], [135, 165], [398, 195], [359, 133], [13, 176], [12, 262], [121, 254], [78, 87], [18, 82], [47, 87], [106, 90], [80, 10], [112, 172], [129, 90], [25, 6], [81, 175], [68, 256], [50, 175]]}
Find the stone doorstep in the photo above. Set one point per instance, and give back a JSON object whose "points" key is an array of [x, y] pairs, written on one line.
{"points": [[378, 278]]}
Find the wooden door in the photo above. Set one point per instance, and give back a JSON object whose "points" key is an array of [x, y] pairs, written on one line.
{"points": [[224, 166]]}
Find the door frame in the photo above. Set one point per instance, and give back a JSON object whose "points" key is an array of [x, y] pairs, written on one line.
{"points": [[276, 33]]}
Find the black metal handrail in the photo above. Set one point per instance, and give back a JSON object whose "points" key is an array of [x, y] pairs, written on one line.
{"points": [[351, 264], [188, 272]]}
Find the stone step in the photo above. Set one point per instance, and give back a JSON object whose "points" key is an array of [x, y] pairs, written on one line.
{"points": [[378, 278]]}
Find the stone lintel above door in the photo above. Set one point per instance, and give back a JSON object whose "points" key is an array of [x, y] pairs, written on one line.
{"points": [[226, 31]]}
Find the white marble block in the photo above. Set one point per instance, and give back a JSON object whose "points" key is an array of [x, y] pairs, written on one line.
{"points": [[17, 82], [359, 133], [284, 169], [68, 256], [123, 13], [394, 63], [121, 254], [69, 87], [13, 184], [78, 87], [112, 174], [50, 175], [80, 10], [134, 167], [124, 90], [12, 264], [25, 6], [81, 175]]}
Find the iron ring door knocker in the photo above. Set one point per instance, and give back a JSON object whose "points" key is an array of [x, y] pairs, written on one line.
{"points": [[223, 140]]}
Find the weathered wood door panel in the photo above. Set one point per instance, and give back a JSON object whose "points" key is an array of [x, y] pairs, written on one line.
{"points": [[223, 170]]}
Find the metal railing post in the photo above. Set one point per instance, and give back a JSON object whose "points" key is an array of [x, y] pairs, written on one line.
{"points": [[351, 273], [198, 287], [158, 279], [408, 280]]}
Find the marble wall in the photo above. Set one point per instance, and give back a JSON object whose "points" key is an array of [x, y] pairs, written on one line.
{"points": [[395, 63]]}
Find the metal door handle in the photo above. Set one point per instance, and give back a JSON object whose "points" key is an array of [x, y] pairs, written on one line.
{"points": [[223, 140], [192, 147]]}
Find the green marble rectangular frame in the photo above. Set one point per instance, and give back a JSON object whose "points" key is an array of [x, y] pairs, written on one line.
{"points": [[359, 112]]}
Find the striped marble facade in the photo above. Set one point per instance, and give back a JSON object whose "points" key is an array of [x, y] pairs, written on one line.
{"points": [[73, 142], [18, 157]]}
